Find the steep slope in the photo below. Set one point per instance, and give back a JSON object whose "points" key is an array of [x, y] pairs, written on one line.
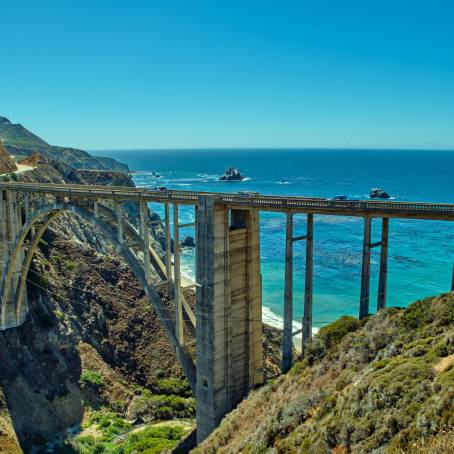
{"points": [[20, 142], [377, 386], [7, 165], [91, 347]]}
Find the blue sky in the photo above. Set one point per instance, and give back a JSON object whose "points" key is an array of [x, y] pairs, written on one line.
{"points": [[230, 73]]}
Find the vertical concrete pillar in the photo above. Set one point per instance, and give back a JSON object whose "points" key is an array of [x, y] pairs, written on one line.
{"points": [[168, 247], [287, 338], [228, 301], [95, 209], [145, 235], [452, 281], [365, 275], [3, 234], [119, 213], [179, 330], [308, 286], [13, 216], [383, 277]]}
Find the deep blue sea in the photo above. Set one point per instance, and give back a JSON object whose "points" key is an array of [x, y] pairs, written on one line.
{"points": [[421, 253]]}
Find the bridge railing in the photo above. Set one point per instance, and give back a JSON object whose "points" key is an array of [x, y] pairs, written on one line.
{"points": [[264, 202]]}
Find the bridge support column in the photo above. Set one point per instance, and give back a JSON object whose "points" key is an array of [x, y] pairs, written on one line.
{"points": [[365, 275], [145, 235], [179, 330], [119, 213], [287, 336], [308, 286], [10, 227], [382, 280], [229, 327], [168, 249], [3, 233]]}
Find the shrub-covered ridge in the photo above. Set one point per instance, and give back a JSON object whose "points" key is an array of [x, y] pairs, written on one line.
{"points": [[377, 386]]}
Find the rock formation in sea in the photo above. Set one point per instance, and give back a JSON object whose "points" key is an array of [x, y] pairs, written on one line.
{"points": [[232, 174], [377, 193], [188, 241]]}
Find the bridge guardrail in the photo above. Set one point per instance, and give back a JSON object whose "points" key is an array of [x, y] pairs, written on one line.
{"points": [[264, 202]]}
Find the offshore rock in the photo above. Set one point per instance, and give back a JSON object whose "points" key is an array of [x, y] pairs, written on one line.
{"points": [[377, 193], [232, 174], [188, 241]]}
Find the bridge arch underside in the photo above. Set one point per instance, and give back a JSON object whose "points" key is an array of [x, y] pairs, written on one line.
{"points": [[14, 307]]}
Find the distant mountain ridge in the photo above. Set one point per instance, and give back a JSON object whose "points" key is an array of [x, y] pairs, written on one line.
{"points": [[20, 142]]}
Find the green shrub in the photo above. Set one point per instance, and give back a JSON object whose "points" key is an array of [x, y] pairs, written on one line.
{"points": [[173, 386], [91, 378], [60, 315], [70, 265], [149, 407], [334, 332]]}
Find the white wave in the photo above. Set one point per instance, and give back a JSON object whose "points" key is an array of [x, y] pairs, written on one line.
{"points": [[277, 321], [284, 182]]}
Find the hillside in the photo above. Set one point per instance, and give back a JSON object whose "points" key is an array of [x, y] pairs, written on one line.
{"points": [[379, 386], [20, 142], [7, 165]]}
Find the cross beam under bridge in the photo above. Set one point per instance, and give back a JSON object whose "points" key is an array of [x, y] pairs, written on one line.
{"points": [[226, 321]]}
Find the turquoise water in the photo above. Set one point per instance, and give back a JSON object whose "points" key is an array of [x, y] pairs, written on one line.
{"points": [[421, 253]]}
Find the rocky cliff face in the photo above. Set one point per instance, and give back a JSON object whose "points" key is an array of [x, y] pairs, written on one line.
{"points": [[7, 165]]}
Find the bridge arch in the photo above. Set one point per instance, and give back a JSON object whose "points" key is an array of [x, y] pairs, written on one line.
{"points": [[12, 297]]}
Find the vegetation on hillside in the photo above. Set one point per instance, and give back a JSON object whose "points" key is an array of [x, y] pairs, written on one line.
{"points": [[21, 143], [383, 385]]}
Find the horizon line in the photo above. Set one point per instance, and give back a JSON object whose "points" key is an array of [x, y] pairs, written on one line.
{"points": [[215, 148]]}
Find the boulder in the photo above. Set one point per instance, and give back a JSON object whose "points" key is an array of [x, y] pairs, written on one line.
{"points": [[188, 241], [377, 193], [232, 174]]}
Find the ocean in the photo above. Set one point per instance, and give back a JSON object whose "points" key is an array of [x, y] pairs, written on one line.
{"points": [[421, 253]]}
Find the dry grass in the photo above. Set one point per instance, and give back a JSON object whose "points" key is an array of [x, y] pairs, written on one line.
{"points": [[443, 443]]}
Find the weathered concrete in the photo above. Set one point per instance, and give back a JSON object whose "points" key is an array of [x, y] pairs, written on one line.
{"points": [[287, 338], [383, 277], [309, 279], [229, 328]]}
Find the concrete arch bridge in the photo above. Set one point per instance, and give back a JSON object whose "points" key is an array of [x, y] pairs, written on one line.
{"points": [[228, 313]]}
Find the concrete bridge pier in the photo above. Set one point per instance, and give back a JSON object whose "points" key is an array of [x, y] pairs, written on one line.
{"points": [[10, 226], [288, 333], [365, 275], [229, 310]]}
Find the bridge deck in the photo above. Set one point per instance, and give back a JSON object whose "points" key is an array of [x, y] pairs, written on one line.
{"points": [[361, 208]]}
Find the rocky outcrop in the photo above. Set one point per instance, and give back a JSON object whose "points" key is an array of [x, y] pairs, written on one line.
{"points": [[188, 241], [21, 143], [377, 193], [7, 165], [232, 174]]}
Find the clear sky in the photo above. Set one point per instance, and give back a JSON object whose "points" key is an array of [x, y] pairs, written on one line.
{"points": [[230, 73]]}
